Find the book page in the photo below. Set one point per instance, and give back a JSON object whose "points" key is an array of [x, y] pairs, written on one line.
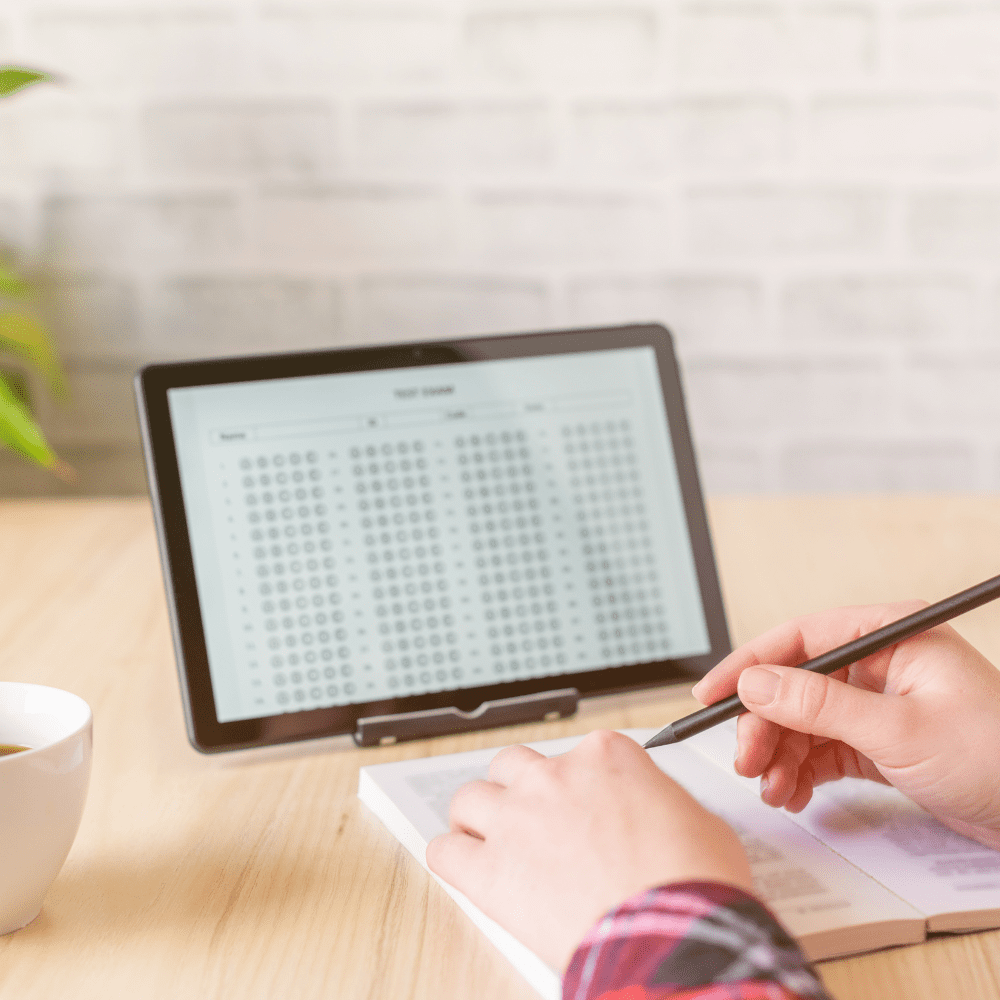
{"points": [[830, 906], [953, 880]]}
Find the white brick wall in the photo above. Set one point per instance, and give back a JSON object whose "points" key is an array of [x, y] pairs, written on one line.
{"points": [[827, 396], [775, 42], [208, 314], [628, 139], [136, 47], [238, 138], [442, 138], [786, 221], [952, 224], [707, 314], [114, 231], [565, 227], [430, 306], [903, 132], [948, 43], [317, 44], [873, 308], [807, 192], [609, 44]]}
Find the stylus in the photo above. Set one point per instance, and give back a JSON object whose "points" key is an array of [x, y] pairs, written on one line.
{"points": [[842, 656]]}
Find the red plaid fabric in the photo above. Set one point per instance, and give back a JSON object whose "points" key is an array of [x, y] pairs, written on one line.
{"points": [[694, 939]]}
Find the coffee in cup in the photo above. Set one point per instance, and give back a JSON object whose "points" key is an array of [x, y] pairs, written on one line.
{"points": [[45, 749]]}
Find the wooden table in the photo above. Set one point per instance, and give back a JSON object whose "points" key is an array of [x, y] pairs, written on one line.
{"points": [[260, 875]]}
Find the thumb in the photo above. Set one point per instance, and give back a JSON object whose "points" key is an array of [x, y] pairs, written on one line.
{"points": [[821, 706]]}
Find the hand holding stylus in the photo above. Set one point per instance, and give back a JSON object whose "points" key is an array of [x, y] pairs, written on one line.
{"points": [[923, 715]]}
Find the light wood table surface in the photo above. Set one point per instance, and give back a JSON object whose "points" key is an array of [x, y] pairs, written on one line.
{"points": [[260, 875]]}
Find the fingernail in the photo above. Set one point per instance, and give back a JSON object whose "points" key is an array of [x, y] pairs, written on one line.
{"points": [[694, 690], [763, 784], [758, 686]]}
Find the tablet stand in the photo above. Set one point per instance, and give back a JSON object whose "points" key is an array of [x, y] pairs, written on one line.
{"points": [[379, 729]]}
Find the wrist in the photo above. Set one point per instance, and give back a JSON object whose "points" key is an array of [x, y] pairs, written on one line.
{"points": [[684, 935]]}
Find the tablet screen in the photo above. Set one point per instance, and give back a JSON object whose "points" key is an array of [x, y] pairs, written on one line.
{"points": [[373, 535]]}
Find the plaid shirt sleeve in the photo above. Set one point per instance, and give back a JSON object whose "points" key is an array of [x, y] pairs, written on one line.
{"points": [[693, 939]]}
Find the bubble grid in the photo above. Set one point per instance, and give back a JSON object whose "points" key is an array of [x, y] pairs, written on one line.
{"points": [[403, 563], [299, 594], [511, 553], [614, 532], [408, 574]]}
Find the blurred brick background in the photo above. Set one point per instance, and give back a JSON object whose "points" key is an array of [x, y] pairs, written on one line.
{"points": [[806, 193]]}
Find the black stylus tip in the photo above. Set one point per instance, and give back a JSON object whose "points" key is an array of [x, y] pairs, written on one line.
{"points": [[663, 738]]}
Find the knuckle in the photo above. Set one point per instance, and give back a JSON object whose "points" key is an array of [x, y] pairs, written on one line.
{"points": [[539, 774], [460, 799], [598, 739], [455, 806], [605, 752], [502, 757], [603, 742], [813, 697], [434, 855]]}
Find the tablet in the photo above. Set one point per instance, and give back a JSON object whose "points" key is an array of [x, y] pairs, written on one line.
{"points": [[374, 531]]}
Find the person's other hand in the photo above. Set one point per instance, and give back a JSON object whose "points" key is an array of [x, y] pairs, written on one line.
{"points": [[548, 845], [923, 715]]}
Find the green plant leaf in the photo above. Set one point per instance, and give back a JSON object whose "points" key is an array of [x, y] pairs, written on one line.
{"points": [[15, 78], [12, 285], [19, 432], [23, 334]]}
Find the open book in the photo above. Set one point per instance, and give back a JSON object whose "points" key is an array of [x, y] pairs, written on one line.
{"points": [[860, 868]]}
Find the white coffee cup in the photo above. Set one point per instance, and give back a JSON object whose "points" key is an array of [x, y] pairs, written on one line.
{"points": [[42, 791]]}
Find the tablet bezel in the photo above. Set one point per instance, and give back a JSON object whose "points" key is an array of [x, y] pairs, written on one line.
{"points": [[209, 735]]}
